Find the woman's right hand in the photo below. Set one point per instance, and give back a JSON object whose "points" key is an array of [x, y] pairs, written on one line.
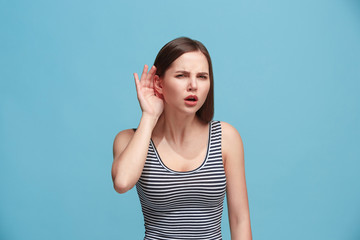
{"points": [[131, 148], [151, 104]]}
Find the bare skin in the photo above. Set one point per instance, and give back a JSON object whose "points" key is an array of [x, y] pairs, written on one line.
{"points": [[180, 137]]}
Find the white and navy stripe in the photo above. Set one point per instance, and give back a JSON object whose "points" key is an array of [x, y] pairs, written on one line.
{"points": [[184, 205]]}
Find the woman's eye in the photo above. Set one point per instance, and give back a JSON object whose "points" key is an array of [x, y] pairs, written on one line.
{"points": [[203, 77], [180, 75]]}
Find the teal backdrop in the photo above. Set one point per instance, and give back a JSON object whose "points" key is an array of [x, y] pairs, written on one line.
{"points": [[286, 76]]}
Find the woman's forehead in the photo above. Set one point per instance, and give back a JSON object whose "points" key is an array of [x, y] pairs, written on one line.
{"points": [[190, 62]]}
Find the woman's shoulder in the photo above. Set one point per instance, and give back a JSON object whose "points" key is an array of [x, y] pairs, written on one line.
{"points": [[121, 140], [231, 138], [127, 133], [228, 130]]}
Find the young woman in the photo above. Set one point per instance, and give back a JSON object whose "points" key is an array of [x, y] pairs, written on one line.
{"points": [[181, 161]]}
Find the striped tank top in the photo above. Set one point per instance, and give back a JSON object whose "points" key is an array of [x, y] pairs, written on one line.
{"points": [[184, 205]]}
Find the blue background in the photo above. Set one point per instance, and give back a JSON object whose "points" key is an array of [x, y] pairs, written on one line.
{"points": [[286, 76]]}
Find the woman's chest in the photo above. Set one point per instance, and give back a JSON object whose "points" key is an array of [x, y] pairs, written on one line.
{"points": [[183, 159], [160, 187], [163, 191]]}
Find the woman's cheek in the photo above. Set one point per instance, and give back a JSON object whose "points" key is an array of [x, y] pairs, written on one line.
{"points": [[168, 94]]}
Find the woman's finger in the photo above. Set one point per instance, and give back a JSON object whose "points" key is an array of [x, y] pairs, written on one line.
{"points": [[137, 82], [148, 80], [151, 76], [144, 75]]}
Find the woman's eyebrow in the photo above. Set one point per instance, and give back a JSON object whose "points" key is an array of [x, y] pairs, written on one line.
{"points": [[183, 71]]}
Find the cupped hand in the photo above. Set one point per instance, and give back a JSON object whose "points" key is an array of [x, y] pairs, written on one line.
{"points": [[149, 100]]}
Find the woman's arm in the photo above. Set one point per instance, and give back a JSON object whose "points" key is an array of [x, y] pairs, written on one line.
{"points": [[130, 149], [236, 193]]}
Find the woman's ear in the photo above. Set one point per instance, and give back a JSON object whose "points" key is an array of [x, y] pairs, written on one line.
{"points": [[158, 86]]}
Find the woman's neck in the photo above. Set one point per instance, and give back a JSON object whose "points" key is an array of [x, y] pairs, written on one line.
{"points": [[176, 128]]}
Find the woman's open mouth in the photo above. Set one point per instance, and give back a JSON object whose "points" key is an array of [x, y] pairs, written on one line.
{"points": [[191, 100]]}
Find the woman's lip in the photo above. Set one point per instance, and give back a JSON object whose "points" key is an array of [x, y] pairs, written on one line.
{"points": [[191, 100], [191, 97], [190, 103]]}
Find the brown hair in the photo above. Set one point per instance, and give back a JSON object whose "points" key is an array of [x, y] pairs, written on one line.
{"points": [[174, 49]]}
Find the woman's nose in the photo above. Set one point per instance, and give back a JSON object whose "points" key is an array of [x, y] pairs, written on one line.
{"points": [[192, 84]]}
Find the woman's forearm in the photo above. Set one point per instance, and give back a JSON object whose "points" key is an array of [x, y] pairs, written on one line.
{"points": [[241, 230]]}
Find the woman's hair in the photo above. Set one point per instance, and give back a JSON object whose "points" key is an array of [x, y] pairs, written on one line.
{"points": [[174, 49]]}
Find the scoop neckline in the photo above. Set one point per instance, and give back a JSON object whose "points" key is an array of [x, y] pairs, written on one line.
{"points": [[190, 171]]}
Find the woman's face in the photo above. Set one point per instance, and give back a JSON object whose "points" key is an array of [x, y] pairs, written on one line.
{"points": [[186, 83]]}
